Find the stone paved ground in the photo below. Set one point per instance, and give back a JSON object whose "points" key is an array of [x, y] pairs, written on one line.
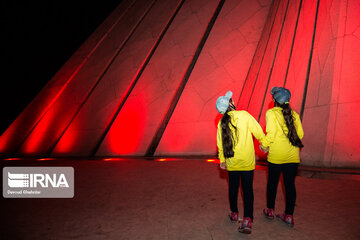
{"points": [[182, 199]]}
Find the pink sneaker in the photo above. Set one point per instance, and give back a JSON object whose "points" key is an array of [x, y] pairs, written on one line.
{"points": [[269, 213], [286, 218], [234, 216], [245, 226]]}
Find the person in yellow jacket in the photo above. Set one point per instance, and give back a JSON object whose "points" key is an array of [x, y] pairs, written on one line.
{"points": [[283, 141], [237, 156]]}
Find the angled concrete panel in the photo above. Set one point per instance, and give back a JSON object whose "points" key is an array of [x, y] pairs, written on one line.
{"points": [[146, 81], [261, 84], [192, 128], [50, 128], [252, 76], [333, 88], [280, 64], [138, 121], [86, 130], [13, 137]]}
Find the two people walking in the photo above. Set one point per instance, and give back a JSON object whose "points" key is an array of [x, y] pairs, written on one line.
{"points": [[237, 154]]}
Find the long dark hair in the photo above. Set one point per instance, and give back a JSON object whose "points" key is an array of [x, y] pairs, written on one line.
{"points": [[228, 138], [292, 134]]}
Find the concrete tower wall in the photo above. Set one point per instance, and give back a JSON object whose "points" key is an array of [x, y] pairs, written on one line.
{"points": [[145, 83]]}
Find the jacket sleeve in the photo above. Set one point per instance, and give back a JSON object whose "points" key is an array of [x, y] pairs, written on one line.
{"points": [[219, 144], [270, 130], [298, 127], [255, 128]]}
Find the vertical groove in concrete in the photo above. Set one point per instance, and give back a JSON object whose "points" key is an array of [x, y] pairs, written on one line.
{"points": [[273, 62], [293, 42], [262, 59], [102, 74], [71, 78], [160, 131], [138, 75], [257, 49], [310, 61], [341, 68]]}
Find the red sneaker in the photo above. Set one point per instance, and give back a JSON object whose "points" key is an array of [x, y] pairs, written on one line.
{"points": [[234, 216], [245, 226], [269, 213], [286, 218]]}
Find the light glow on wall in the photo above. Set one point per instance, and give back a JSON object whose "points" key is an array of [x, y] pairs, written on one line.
{"points": [[247, 51]]}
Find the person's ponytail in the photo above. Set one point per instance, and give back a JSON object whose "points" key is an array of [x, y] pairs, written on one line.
{"points": [[292, 134], [227, 136]]}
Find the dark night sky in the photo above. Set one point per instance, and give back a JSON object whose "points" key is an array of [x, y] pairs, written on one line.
{"points": [[37, 38]]}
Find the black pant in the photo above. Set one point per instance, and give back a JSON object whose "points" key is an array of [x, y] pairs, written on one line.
{"points": [[247, 187], [289, 172]]}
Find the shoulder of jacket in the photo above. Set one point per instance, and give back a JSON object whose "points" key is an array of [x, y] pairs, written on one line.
{"points": [[295, 114], [270, 111], [238, 115], [242, 113]]}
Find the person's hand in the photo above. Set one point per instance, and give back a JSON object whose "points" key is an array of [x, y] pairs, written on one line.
{"points": [[223, 165], [264, 150]]}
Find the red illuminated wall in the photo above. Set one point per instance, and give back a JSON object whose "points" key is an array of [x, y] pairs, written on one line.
{"points": [[331, 114], [145, 83]]}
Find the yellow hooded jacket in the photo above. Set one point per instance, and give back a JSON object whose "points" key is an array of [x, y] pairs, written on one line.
{"points": [[280, 148], [244, 153]]}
